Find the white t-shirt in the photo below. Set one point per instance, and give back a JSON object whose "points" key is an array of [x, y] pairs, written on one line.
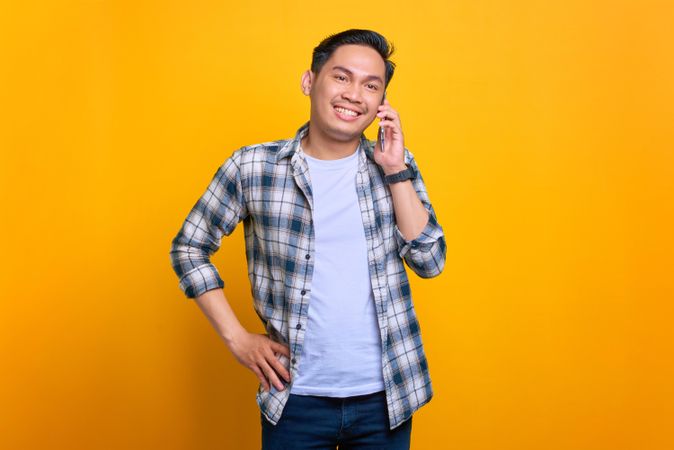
{"points": [[342, 353]]}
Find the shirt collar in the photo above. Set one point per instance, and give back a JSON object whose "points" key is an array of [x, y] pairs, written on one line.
{"points": [[292, 145]]}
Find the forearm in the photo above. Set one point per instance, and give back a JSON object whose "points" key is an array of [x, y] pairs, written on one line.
{"points": [[411, 215], [214, 305], [256, 352]]}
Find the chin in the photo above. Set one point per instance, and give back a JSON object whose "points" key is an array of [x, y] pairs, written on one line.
{"points": [[338, 131], [345, 133]]}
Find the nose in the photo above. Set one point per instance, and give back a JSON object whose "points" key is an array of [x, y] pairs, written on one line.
{"points": [[353, 94]]}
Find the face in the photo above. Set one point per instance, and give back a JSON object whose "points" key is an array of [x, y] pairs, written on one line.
{"points": [[352, 79]]}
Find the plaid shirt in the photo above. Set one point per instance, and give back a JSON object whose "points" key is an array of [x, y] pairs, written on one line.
{"points": [[267, 186]]}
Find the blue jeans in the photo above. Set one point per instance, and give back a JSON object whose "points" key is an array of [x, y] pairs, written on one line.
{"points": [[315, 422]]}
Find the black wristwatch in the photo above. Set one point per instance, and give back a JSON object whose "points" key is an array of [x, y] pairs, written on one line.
{"points": [[407, 174]]}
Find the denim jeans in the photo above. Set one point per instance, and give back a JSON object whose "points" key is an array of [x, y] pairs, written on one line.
{"points": [[315, 422]]}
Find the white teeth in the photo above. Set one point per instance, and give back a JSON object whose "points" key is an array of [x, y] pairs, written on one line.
{"points": [[346, 111]]}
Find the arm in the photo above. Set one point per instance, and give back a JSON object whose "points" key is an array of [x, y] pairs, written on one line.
{"points": [[411, 215], [217, 213], [420, 238], [253, 351]]}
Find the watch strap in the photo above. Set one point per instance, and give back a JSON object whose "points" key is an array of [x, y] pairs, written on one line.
{"points": [[407, 174]]}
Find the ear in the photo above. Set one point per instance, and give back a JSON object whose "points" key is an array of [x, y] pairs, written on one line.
{"points": [[307, 80]]}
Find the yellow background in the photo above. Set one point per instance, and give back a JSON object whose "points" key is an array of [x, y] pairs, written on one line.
{"points": [[543, 131]]}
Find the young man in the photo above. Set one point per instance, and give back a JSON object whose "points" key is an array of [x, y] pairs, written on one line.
{"points": [[329, 217]]}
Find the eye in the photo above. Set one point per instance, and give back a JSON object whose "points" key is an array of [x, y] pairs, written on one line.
{"points": [[373, 86], [340, 77]]}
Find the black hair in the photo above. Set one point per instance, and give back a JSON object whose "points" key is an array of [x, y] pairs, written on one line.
{"points": [[354, 36]]}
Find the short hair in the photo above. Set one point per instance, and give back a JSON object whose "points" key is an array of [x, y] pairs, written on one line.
{"points": [[354, 36]]}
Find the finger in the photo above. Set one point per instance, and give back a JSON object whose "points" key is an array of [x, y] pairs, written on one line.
{"points": [[261, 377], [271, 375], [279, 368], [390, 116], [390, 120], [281, 348], [389, 112], [391, 131], [386, 107], [395, 128]]}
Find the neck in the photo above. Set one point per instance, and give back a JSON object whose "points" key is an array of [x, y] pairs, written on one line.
{"points": [[317, 145]]}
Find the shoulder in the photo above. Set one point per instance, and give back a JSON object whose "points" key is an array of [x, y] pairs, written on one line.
{"points": [[262, 150], [253, 157]]}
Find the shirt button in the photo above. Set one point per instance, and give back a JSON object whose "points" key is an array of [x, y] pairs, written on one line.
{"points": [[293, 360], [303, 292], [307, 256], [298, 326]]}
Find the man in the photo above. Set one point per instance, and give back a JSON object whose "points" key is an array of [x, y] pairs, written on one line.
{"points": [[329, 217]]}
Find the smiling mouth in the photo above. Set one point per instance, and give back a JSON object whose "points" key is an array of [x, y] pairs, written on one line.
{"points": [[346, 112]]}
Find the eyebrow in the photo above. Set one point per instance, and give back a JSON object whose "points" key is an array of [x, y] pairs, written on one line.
{"points": [[369, 77]]}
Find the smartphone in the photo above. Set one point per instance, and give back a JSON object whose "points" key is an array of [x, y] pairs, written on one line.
{"points": [[381, 129]]}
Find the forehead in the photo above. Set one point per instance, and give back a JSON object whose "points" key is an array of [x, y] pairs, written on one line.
{"points": [[359, 59]]}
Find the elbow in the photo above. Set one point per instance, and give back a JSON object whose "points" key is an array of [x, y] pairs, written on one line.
{"points": [[431, 263], [177, 253], [428, 270], [185, 257]]}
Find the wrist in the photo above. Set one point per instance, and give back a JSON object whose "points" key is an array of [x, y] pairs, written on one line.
{"points": [[390, 170], [233, 334]]}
